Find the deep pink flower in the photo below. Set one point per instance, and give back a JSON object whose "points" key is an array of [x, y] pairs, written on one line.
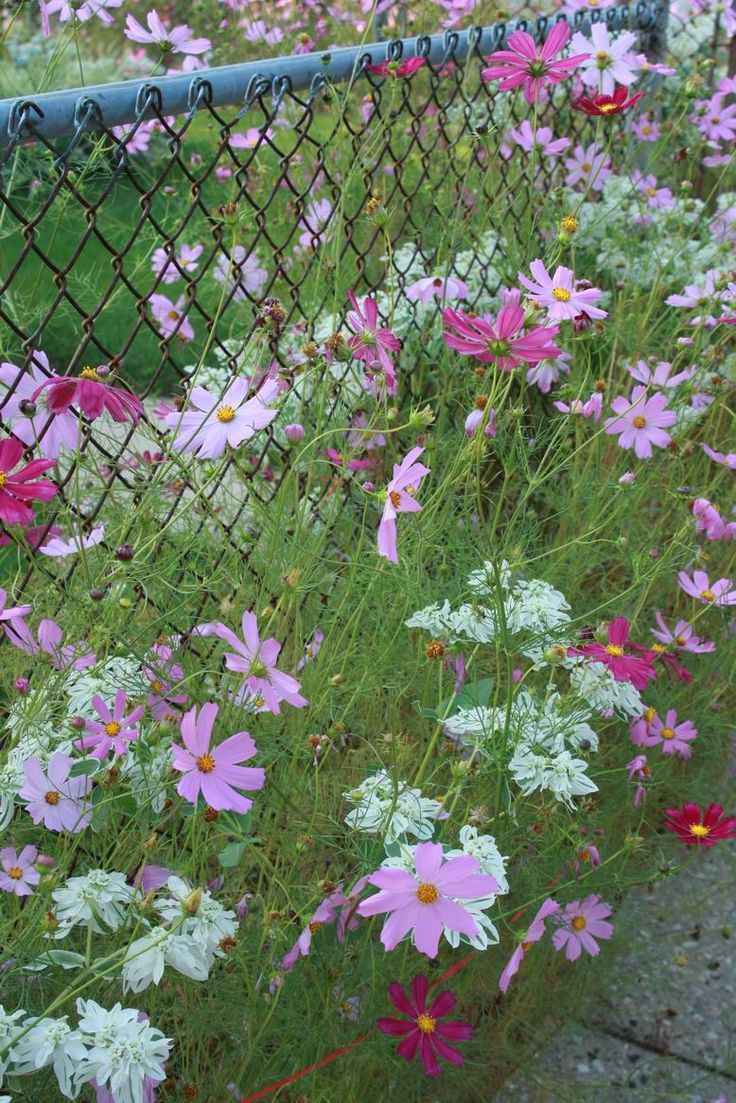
{"points": [[426, 902], [504, 343], [49, 432], [116, 731], [702, 589], [674, 738], [18, 488], [91, 394], [18, 872], [624, 668], [605, 106], [533, 934], [397, 68], [700, 829], [681, 637], [215, 772], [640, 422], [558, 293], [53, 798], [265, 687], [534, 67], [371, 342], [402, 487], [583, 921], [49, 642], [421, 1029]]}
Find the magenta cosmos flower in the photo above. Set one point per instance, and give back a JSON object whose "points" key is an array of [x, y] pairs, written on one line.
{"points": [[624, 667], [702, 589], [89, 392], [583, 921], [527, 64], [18, 488], [53, 798], [402, 487], [558, 293], [422, 1029], [215, 772], [211, 423], [425, 902], [49, 432], [370, 342], [18, 873], [700, 829], [116, 730], [265, 687], [640, 422], [177, 40], [673, 738], [48, 641], [604, 105], [533, 934], [397, 68], [503, 343]]}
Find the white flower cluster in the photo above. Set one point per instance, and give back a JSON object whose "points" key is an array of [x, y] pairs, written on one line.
{"points": [[595, 684], [391, 808], [104, 680], [117, 1048], [33, 734]]}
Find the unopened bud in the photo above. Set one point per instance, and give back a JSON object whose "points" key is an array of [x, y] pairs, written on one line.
{"points": [[192, 903]]}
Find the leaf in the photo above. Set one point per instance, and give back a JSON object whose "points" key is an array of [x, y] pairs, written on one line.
{"points": [[87, 767], [232, 854], [67, 959]]}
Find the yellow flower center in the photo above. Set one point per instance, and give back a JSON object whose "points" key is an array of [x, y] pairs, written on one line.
{"points": [[561, 294], [3, 479], [578, 923], [15, 873], [52, 797], [586, 166], [157, 686], [707, 595], [649, 714], [659, 648], [89, 373], [699, 830], [427, 894], [680, 641], [606, 108], [526, 946], [425, 1023], [314, 926], [205, 763], [668, 733], [569, 224], [601, 56], [584, 855], [225, 413], [615, 650], [173, 315], [395, 498], [113, 728], [646, 129], [639, 422], [651, 192]]}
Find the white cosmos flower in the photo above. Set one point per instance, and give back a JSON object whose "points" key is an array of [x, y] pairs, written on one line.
{"points": [[50, 1042], [393, 809]]}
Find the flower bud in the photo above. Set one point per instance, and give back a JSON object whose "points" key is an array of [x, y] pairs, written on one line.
{"points": [[78, 723], [21, 685], [192, 903], [124, 553], [294, 432], [27, 408]]}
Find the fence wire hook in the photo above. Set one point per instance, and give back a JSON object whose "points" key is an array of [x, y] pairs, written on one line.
{"points": [[149, 97], [19, 118], [279, 87], [200, 93]]}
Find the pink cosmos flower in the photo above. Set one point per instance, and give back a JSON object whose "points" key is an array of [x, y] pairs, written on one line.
{"points": [[718, 121], [473, 420], [265, 687], [19, 487], [534, 932], [503, 343], [609, 61], [255, 30], [400, 491], [177, 40], [363, 439], [244, 277], [709, 593], [73, 9], [251, 139], [14, 611], [545, 374], [558, 293], [640, 422], [542, 140], [58, 548], [709, 521], [371, 341], [660, 376], [624, 667], [397, 68], [171, 317], [316, 224], [673, 738], [326, 912], [583, 922], [91, 395], [422, 1028], [728, 459], [593, 407], [589, 166], [53, 798], [312, 648], [696, 828], [116, 731], [695, 296], [211, 423], [49, 432], [170, 266], [638, 769], [524, 63], [681, 637], [18, 872], [426, 902], [49, 642], [646, 130], [162, 672], [657, 198], [215, 772], [437, 287]]}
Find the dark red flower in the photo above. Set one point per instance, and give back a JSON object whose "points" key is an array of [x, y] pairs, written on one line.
{"points": [[616, 104], [421, 1028], [17, 489], [92, 395], [624, 667], [696, 829]]}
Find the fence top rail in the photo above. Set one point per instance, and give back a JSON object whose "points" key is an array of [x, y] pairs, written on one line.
{"points": [[63, 113]]}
